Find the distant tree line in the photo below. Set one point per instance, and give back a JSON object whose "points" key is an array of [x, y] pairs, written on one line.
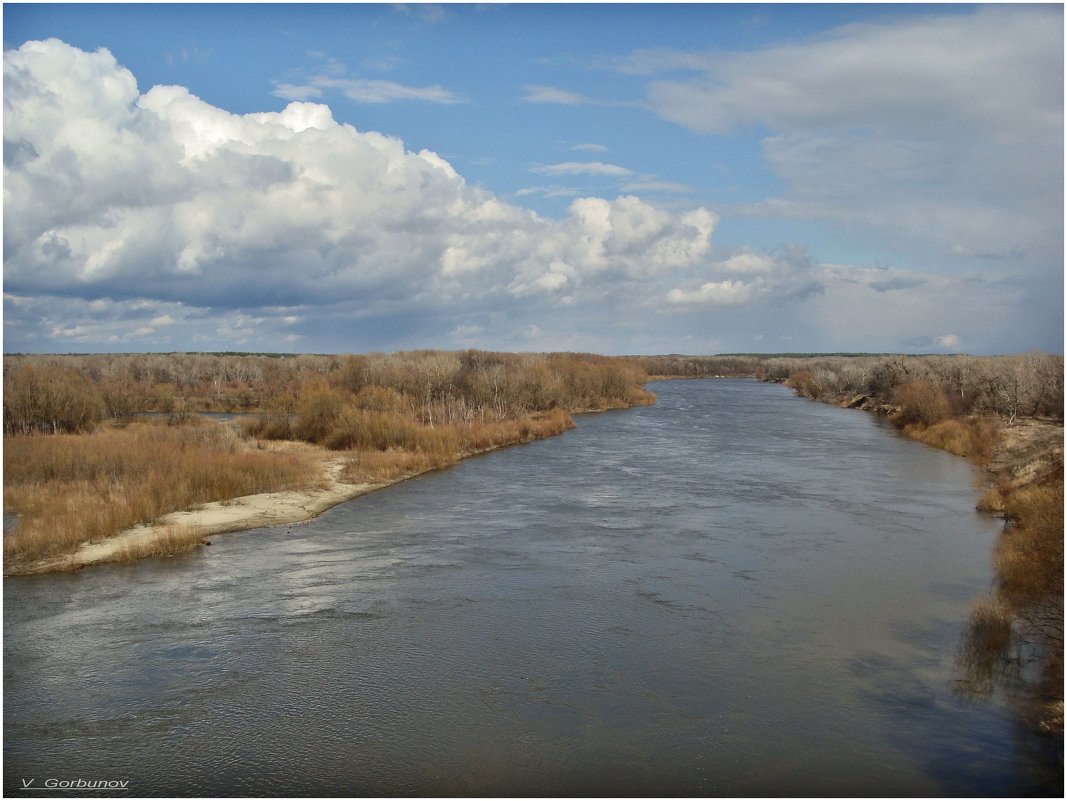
{"points": [[69, 393], [931, 388], [56, 393], [1022, 385]]}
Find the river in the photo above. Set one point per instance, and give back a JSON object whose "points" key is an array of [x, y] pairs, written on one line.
{"points": [[732, 592]]}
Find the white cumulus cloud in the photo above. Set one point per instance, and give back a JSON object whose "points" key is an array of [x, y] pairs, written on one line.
{"points": [[747, 277], [748, 262], [719, 293], [111, 193]]}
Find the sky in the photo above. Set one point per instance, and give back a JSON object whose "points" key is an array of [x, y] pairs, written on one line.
{"points": [[700, 178]]}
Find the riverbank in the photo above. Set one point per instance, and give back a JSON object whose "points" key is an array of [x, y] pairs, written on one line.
{"points": [[81, 470], [529, 593], [1014, 637], [1023, 453], [187, 529]]}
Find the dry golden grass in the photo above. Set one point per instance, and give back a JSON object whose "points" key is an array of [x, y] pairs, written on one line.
{"points": [[1029, 558], [425, 449], [485, 436], [995, 498], [70, 489], [171, 541], [1023, 617], [975, 438], [985, 651], [376, 467]]}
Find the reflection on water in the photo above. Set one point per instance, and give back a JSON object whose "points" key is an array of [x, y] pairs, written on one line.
{"points": [[733, 592]]}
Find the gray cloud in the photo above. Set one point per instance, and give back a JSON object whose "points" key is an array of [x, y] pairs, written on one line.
{"points": [[582, 168], [899, 282], [553, 190], [429, 13], [364, 90], [332, 75], [993, 68], [537, 93], [945, 130], [291, 91], [651, 184], [945, 342], [550, 94]]}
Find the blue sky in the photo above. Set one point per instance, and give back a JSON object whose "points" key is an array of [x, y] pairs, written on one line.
{"points": [[620, 179]]}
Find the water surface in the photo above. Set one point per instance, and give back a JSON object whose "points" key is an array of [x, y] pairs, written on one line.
{"points": [[733, 592]]}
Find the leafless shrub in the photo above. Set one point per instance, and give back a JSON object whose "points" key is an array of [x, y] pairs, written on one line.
{"points": [[49, 399], [921, 402]]}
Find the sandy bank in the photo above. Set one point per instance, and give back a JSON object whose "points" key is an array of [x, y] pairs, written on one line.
{"points": [[237, 514], [218, 517]]}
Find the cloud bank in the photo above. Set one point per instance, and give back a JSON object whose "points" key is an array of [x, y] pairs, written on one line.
{"points": [[155, 221], [942, 129], [111, 194], [945, 130]]}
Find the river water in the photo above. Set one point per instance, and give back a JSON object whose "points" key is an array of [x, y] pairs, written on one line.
{"points": [[732, 592]]}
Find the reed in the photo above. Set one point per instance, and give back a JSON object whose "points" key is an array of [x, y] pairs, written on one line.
{"points": [[974, 438], [1029, 560], [380, 457], [987, 651], [486, 436], [379, 467], [171, 541], [994, 499], [397, 415], [1018, 628], [69, 489]]}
